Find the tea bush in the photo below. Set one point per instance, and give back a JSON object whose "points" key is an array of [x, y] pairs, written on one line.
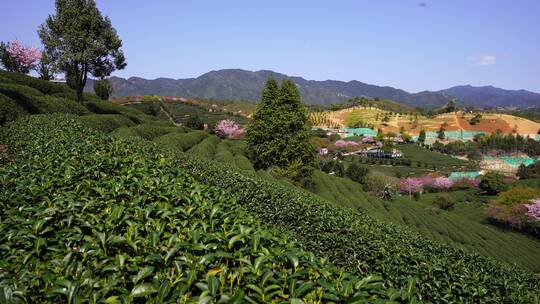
{"points": [[148, 119], [124, 132], [33, 101], [43, 86], [9, 110], [149, 107], [106, 107], [181, 141], [107, 122], [150, 131], [206, 148], [87, 97], [91, 219]]}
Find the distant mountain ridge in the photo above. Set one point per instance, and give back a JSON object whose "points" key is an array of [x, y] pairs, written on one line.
{"points": [[237, 84]]}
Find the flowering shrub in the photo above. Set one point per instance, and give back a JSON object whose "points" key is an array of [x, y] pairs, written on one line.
{"points": [[346, 144], [25, 58], [510, 215], [367, 139], [411, 185], [533, 210], [474, 183], [442, 183], [427, 180], [228, 128], [511, 206]]}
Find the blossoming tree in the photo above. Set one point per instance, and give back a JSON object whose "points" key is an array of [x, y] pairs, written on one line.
{"points": [[442, 183], [18, 58], [345, 144], [228, 128], [411, 185], [533, 210]]}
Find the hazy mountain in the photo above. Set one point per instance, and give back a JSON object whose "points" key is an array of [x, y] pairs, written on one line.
{"points": [[246, 85], [489, 96]]}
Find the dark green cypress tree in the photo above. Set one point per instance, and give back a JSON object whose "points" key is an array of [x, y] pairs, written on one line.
{"points": [[279, 134], [259, 132]]}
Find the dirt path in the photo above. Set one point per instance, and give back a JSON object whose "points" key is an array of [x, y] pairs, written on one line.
{"points": [[458, 123], [162, 109]]}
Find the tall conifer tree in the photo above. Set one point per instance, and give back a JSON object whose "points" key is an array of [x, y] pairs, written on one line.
{"points": [[279, 134]]}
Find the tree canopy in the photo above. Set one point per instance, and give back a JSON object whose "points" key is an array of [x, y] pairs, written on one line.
{"points": [[103, 88], [79, 40], [279, 134]]}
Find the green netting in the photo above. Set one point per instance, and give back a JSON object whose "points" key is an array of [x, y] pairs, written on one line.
{"points": [[460, 175], [360, 131], [515, 161]]}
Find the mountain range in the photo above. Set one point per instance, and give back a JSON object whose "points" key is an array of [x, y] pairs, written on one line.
{"points": [[237, 84]]}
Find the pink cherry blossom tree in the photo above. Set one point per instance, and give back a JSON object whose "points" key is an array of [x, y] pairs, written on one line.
{"points": [[228, 128], [22, 59], [411, 185], [344, 144], [442, 183], [533, 210]]}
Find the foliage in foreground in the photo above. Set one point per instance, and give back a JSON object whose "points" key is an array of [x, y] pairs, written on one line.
{"points": [[88, 218]]}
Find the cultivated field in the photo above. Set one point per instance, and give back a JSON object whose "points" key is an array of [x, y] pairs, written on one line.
{"points": [[413, 122]]}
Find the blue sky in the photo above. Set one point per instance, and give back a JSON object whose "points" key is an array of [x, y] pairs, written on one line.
{"points": [[412, 45]]}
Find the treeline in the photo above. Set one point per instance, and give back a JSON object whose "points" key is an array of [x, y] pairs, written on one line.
{"points": [[367, 102], [481, 144], [532, 114]]}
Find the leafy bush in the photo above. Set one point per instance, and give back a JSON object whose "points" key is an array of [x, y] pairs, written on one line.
{"points": [[87, 218], [107, 123], [124, 132], [9, 110], [510, 207], [43, 86], [207, 148], [150, 131], [73, 96], [35, 102], [444, 201], [329, 165], [106, 107], [103, 88], [530, 171], [148, 119], [181, 141], [493, 183], [147, 107], [357, 172], [194, 122], [377, 182]]}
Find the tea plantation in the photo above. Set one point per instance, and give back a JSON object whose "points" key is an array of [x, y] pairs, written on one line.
{"points": [[452, 228], [118, 206]]}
